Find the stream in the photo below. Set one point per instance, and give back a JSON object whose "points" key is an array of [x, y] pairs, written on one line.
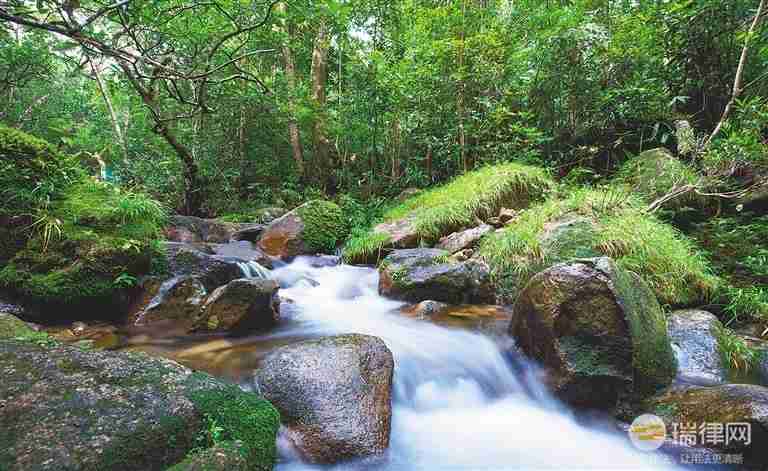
{"points": [[459, 402]]}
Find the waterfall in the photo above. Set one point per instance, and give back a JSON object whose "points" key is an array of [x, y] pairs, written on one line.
{"points": [[254, 270]]}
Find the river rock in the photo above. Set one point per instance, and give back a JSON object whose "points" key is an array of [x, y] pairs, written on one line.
{"points": [[241, 306], [333, 394], [62, 407], [401, 234], [425, 309], [314, 227], [190, 229], [459, 241], [416, 275], [597, 329], [249, 232], [213, 270], [692, 406], [693, 339], [178, 299]]}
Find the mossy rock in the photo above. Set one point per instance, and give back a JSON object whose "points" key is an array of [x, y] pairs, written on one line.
{"points": [[598, 330], [224, 456], [314, 227], [71, 281], [590, 223], [654, 172], [425, 217], [66, 408]]}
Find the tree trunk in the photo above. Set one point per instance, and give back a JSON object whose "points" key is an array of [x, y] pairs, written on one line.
{"points": [[319, 79], [104, 90], [290, 76], [461, 92]]}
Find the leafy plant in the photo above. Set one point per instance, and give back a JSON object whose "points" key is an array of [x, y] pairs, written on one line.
{"points": [[735, 351]]}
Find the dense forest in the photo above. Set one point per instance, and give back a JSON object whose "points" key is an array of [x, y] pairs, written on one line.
{"points": [[171, 170]]}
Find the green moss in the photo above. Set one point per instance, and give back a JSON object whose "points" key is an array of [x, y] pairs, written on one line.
{"points": [[324, 225], [13, 328], [242, 417], [609, 222], [655, 172], [441, 210], [224, 456]]}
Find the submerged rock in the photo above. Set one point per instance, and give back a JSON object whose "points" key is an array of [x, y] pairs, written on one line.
{"points": [[66, 408], [333, 394], [425, 309], [459, 241], [416, 275], [725, 404], [241, 306], [314, 227], [695, 344], [597, 329]]}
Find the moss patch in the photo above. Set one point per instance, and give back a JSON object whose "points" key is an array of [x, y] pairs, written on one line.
{"points": [[324, 225], [655, 172]]}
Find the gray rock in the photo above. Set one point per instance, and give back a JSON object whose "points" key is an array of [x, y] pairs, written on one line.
{"points": [[249, 232], [213, 270], [333, 394], [463, 240], [189, 229], [416, 275], [597, 329], [241, 306], [62, 407], [693, 339]]}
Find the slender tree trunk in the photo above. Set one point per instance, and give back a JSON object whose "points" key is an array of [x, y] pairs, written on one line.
{"points": [[290, 75], [462, 90], [104, 90], [319, 79], [739, 74]]}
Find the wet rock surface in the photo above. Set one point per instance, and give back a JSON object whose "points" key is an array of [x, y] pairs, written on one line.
{"points": [[190, 229], [178, 299], [723, 404], [416, 275], [333, 394], [693, 339], [213, 270], [597, 329], [64, 407], [241, 306]]}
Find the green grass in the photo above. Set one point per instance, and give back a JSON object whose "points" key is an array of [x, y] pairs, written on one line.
{"points": [[735, 351], [441, 210], [668, 261]]}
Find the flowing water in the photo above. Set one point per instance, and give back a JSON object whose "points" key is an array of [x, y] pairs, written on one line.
{"points": [[459, 402]]}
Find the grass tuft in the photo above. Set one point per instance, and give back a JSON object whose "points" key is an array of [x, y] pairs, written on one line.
{"points": [[476, 195]]}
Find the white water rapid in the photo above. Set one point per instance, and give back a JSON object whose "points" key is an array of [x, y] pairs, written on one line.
{"points": [[459, 403]]}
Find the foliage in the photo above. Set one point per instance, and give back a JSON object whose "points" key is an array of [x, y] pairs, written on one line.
{"points": [[735, 351], [654, 173], [667, 260], [324, 225]]}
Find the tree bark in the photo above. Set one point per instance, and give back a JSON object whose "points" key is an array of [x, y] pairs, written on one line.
{"points": [[290, 76], [319, 79], [104, 90]]}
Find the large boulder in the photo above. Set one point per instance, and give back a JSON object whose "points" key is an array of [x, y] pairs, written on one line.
{"points": [[415, 275], [241, 306], [333, 394], [314, 227], [62, 407], [686, 409], [466, 239], [213, 270], [597, 329], [694, 340]]}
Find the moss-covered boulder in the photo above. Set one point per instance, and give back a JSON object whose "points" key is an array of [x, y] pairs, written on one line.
{"points": [[240, 307], [597, 329], [416, 275], [599, 222], [334, 395], [693, 407], [314, 227], [66, 408], [429, 215], [655, 172]]}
